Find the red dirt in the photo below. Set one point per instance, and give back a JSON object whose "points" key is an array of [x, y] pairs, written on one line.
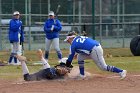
{"points": [[96, 84]]}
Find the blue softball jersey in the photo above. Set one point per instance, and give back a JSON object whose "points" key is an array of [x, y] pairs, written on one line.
{"points": [[81, 45]]}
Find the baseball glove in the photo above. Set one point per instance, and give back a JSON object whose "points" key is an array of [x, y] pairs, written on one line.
{"points": [[62, 70]]}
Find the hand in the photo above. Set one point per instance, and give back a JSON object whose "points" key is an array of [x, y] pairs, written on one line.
{"points": [[52, 28], [68, 64]]}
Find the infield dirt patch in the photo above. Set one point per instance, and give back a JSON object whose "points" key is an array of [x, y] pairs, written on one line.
{"points": [[95, 83]]}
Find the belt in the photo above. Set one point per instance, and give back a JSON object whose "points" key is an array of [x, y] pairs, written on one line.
{"points": [[93, 47]]}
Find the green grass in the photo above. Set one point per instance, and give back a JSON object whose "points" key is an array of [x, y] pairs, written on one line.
{"points": [[121, 58]]}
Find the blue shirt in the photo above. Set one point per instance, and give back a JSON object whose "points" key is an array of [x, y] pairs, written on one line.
{"points": [[81, 45], [15, 28], [57, 28]]}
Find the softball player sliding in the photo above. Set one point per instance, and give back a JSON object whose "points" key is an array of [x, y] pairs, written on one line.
{"points": [[52, 28], [16, 35], [89, 48], [47, 72]]}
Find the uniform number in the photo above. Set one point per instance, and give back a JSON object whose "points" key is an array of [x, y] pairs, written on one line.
{"points": [[81, 39]]}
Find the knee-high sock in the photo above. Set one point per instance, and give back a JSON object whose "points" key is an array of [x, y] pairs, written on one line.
{"points": [[24, 68], [45, 63], [114, 69], [81, 67], [59, 54], [46, 54]]}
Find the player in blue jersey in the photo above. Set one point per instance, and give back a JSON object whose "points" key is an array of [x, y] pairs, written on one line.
{"points": [[52, 28], [89, 48], [16, 35]]}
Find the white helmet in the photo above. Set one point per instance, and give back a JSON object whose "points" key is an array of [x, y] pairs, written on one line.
{"points": [[16, 13]]}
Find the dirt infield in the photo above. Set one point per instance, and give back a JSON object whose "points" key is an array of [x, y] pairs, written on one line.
{"points": [[95, 83]]}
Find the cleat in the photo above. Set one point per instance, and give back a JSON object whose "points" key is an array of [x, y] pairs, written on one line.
{"points": [[123, 74], [40, 53], [80, 77]]}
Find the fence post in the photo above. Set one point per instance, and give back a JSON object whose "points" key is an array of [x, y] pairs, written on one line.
{"points": [[139, 28], [93, 14], [0, 38]]}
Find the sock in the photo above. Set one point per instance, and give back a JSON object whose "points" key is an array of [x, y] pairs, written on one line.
{"points": [[15, 59], [59, 54], [46, 54], [24, 68], [113, 69], [10, 59], [81, 67], [45, 63]]}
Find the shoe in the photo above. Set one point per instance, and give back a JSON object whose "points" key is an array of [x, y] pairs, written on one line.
{"points": [[40, 53], [63, 60], [80, 77], [123, 74], [21, 58]]}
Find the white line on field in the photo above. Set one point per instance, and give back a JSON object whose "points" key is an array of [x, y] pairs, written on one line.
{"points": [[126, 76], [126, 62]]}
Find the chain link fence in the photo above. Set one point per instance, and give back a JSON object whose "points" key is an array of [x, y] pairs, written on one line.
{"points": [[110, 36], [114, 22]]}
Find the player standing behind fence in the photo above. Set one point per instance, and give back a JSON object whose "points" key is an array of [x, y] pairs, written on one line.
{"points": [[88, 48], [52, 28], [16, 35]]}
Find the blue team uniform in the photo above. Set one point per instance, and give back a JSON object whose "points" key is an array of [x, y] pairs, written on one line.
{"points": [[57, 28], [82, 45], [87, 47], [15, 28]]}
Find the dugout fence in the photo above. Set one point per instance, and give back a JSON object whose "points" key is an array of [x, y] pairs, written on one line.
{"points": [[111, 35]]}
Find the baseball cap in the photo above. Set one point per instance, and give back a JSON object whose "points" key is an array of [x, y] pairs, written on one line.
{"points": [[51, 13], [70, 35], [16, 13]]}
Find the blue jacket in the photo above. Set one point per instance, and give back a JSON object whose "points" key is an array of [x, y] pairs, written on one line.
{"points": [[57, 28], [15, 27]]}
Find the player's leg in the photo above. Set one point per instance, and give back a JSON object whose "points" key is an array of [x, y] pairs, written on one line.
{"points": [[81, 63], [11, 55], [47, 72], [56, 47], [25, 70], [15, 50], [44, 62], [97, 56], [47, 49]]}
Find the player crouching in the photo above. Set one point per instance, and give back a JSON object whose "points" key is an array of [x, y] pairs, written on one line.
{"points": [[47, 72]]}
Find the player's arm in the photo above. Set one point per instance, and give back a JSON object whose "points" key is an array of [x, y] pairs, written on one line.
{"points": [[14, 26], [71, 56], [22, 34], [47, 27], [57, 26]]}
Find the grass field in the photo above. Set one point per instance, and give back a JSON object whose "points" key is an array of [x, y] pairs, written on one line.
{"points": [[121, 57]]}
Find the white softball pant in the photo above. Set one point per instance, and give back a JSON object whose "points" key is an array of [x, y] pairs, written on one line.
{"points": [[96, 55], [16, 47], [55, 43]]}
